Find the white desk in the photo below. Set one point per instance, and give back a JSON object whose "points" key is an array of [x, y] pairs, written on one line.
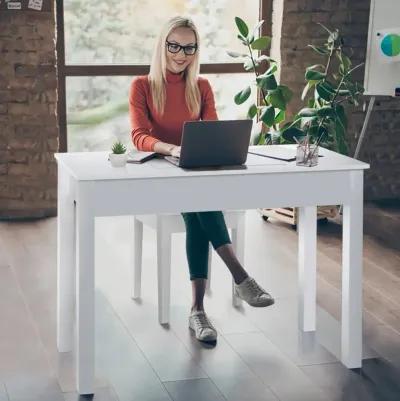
{"points": [[88, 186]]}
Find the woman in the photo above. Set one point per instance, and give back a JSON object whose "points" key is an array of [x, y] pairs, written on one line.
{"points": [[159, 104]]}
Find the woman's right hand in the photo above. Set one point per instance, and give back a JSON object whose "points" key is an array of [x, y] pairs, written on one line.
{"points": [[176, 151]]}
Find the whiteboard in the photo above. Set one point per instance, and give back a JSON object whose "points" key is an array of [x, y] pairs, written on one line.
{"points": [[382, 67]]}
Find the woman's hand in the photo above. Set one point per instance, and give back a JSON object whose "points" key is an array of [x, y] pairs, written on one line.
{"points": [[176, 151]]}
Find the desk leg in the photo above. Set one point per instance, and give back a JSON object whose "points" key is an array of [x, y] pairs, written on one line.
{"points": [[307, 259], [65, 261], [352, 274], [84, 298]]}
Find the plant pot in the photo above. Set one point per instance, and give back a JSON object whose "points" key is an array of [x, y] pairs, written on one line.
{"points": [[118, 160]]}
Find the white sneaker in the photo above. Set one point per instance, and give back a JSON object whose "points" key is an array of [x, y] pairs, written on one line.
{"points": [[252, 293], [202, 327]]}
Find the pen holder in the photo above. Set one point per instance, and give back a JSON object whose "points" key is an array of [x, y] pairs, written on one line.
{"points": [[307, 155]]}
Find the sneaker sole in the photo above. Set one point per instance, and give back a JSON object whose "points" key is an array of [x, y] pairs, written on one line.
{"points": [[263, 305]]}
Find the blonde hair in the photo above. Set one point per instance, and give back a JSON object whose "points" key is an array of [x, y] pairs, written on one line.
{"points": [[158, 67]]}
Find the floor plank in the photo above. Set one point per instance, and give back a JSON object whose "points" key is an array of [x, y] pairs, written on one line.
{"points": [[194, 390]]}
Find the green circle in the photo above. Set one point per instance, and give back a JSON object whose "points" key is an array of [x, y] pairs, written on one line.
{"points": [[390, 45]]}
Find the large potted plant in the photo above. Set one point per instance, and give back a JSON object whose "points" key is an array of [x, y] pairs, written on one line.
{"points": [[271, 108], [324, 119]]}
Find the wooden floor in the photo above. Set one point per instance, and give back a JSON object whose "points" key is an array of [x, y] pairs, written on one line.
{"points": [[260, 354]]}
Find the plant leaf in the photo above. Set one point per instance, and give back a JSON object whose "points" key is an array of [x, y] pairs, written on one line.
{"points": [[236, 54], [252, 112], [268, 115], [315, 66], [313, 75], [276, 99], [257, 27], [272, 69], [326, 111], [323, 26], [323, 92], [280, 117], [291, 133], [242, 26], [265, 57], [320, 50], [243, 95], [341, 114], [340, 137], [305, 90], [248, 65], [270, 82], [242, 39], [261, 43], [267, 82], [307, 112]]}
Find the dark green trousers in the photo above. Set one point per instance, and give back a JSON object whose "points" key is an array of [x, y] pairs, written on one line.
{"points": [[202, 228]]}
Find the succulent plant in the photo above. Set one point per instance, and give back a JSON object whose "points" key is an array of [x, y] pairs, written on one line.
{"points": [[118, 148]]}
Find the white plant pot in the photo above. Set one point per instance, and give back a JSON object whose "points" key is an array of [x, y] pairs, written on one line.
{"points": [[118, 160]]}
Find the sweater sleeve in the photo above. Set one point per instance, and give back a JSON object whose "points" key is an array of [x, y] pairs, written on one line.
{"points": [[139, 118], [208, 111]]}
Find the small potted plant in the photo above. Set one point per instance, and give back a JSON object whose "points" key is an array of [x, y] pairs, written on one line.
{"points": [[118, 156]]}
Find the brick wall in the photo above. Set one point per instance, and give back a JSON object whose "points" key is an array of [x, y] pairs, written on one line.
{"points": [[298, 27], [28, 125]]}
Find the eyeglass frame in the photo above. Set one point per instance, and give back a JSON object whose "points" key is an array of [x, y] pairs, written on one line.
{"points": [[167, 43]]}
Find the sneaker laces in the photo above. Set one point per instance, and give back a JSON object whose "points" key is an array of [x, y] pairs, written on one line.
{"points": [[255, 288], [201, 321]]}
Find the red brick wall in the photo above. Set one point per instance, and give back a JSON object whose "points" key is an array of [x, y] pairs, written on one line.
{"points": [[28, 125]]}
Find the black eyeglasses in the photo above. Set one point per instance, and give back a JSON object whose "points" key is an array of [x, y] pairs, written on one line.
{"points": [[175, 48]]}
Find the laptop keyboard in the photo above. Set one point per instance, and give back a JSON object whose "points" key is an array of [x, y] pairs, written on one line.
{"points": [[172, 159]]}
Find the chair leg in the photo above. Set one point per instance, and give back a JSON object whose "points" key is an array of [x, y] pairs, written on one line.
{"points": [[137, 261], [164, 271], [238, 236], [208, 284]]}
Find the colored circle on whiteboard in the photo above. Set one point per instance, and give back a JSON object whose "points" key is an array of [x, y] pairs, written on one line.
{"points": [[390, 45]]}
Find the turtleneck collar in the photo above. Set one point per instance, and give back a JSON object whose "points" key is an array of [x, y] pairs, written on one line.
{"points": [[174, 78]]}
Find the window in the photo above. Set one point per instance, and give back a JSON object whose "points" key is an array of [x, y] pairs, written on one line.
{"points": [[103, 45]]}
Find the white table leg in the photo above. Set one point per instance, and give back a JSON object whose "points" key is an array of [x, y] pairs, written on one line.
{"points": [[137, 258], [208, 284], [164, 270], [85, 321], [352, 274], [65, 260], [307, 259], [238, 238]]}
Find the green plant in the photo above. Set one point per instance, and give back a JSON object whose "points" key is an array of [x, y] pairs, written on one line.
{"points": [[274, 97], [324, 120], [118, 148]]}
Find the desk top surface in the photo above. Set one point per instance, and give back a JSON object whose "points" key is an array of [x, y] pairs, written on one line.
{"points": [[92, 166]]}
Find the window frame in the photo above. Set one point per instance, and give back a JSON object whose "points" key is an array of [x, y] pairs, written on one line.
{"points": [[64, 71]]}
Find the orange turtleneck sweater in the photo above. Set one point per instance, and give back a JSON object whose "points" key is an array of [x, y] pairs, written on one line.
{"points": [[148, 127]]}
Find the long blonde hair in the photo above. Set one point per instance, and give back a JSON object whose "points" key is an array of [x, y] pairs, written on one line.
{"points": [[158, 67]]}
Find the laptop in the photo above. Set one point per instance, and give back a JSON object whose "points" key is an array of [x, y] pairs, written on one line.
{"points": [[213, 143]]}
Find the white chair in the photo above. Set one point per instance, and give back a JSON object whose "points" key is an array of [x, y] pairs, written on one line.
{"points": [[165, 225]]}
